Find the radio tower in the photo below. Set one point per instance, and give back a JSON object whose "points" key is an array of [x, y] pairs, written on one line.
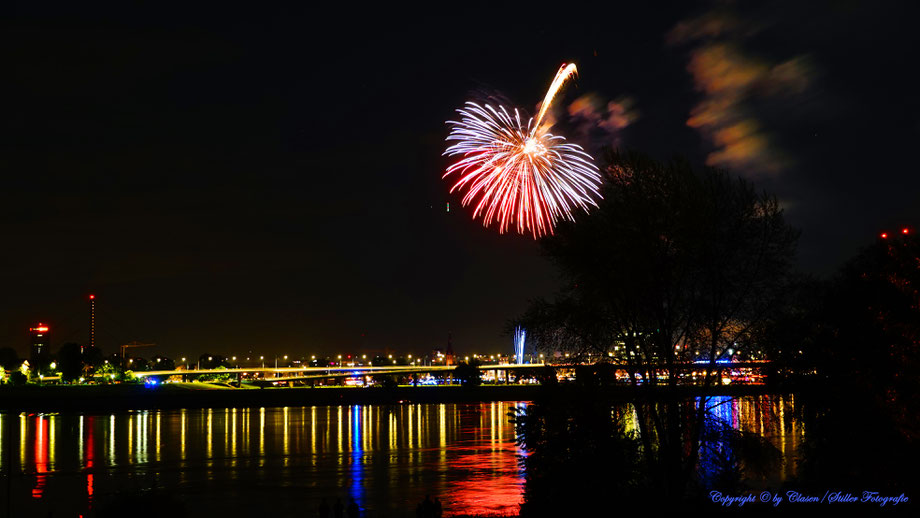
{"points": [[92, 321]]}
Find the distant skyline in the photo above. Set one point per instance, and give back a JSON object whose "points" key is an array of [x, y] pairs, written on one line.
{"points": [[270, 180]]}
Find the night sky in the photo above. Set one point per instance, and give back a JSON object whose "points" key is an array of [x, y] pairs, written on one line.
{"points": [[256, 178]]}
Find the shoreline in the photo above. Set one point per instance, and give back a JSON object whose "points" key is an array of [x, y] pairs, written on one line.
{"points": [[110, 398]]}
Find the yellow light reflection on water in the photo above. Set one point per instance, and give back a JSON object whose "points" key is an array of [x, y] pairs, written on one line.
{"points": [[110, 450], [442, 425], [339, 435], [391, 431], [142, 437], [158, 437], [366, 438], [210, 435], [51, 435], [246, 418], [22, 440], [262, 434], [419, 416], [286, 444], [411, 428], [233, 438], [182, 425], [313, 436], [226, 431]]}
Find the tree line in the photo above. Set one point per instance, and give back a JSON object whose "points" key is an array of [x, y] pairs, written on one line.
{"points": [[685, 265]]}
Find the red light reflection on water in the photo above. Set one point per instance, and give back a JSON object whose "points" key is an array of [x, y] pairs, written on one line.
{"points": [[90, 457], [494, 484], [41, 455], [484, 474]]}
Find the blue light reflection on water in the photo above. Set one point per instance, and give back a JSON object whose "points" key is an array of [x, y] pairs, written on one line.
{"points": [[356, 467], [717, 457]]}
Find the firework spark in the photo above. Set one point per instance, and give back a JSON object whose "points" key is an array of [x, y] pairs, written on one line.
{"points": [[517, 172]]}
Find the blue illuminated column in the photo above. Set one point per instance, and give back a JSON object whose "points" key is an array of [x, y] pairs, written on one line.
{"points": [[520, 334]]}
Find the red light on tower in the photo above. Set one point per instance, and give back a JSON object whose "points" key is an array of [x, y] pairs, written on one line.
{"points": [[905, 231], [884, 235], [92, 321]]}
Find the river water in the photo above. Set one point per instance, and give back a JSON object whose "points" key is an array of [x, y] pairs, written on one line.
{"points": [[283, 461]]}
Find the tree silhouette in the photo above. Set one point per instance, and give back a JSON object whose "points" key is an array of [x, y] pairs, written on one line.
{"points": [[70, 361], [864, 417], [674, 266], [468, 373]]}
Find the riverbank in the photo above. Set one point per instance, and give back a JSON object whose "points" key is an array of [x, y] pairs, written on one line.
{"points": [[109, 398]]}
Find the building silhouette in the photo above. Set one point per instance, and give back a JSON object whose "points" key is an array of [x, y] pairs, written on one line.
{"points": [[39, 343]]}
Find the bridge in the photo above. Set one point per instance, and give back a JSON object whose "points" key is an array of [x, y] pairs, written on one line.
{"points": [[269, 375], [285, 374]]}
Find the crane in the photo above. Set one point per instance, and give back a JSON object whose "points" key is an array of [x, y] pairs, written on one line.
{"points": [[125, 347]]}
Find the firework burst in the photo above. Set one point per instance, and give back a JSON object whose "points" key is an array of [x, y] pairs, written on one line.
{"points": [[515, 171]]}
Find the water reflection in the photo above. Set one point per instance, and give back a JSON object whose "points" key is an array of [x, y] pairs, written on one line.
{"points": [[284, 460], [769, 417], [268, 459]]}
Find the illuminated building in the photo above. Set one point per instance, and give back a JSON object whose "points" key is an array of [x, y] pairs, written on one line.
{"points": [[40, 342]]}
